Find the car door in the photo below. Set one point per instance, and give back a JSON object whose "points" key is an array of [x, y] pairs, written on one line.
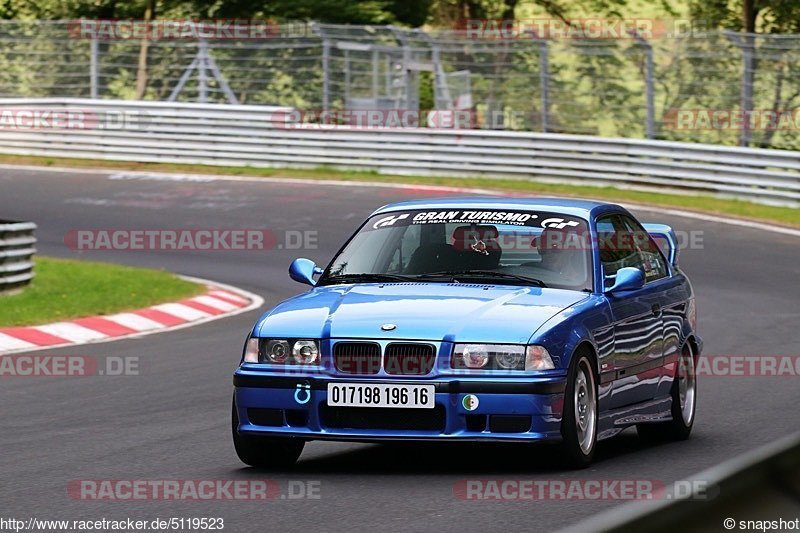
{"points": [[638, 325]]}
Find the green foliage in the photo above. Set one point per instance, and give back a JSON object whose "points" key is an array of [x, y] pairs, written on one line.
{"points": [[772, 16], [412, 13], [71, 9], [426, 94], [404, 12]]}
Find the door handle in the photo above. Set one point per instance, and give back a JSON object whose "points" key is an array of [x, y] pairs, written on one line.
{"points": [[656, 309]]}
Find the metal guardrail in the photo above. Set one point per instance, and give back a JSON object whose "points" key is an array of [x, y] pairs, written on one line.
{"points": [[261, 136], [761, 485], [17, 246]]}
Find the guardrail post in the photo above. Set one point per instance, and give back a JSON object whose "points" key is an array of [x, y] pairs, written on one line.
{"points": [[326, 75], [375, 74], [649, 91], [17, 246], [748, 70], [347, 77], [649, 87], [544, 84], [746, 43], [409, 95], [202, 74], [93, 67]]}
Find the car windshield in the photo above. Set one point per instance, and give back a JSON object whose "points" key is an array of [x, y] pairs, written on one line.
{"points": [[546, 249]]}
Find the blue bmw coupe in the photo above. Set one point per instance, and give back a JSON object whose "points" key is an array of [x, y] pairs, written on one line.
{"points": [[476, 319]]}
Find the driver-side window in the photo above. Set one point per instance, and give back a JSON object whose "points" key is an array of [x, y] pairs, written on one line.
{"points": [[654, 263], [624, 243], [613, 241]]}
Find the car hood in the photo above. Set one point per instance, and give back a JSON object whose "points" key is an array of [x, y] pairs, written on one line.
{"points": [[423, 311]]}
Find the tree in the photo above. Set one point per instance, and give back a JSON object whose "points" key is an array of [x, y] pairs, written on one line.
{"points": [[405, 12], [141, 72]]}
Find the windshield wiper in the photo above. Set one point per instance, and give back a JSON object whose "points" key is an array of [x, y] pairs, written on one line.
{"points": [[482, 274], [365, 277]]}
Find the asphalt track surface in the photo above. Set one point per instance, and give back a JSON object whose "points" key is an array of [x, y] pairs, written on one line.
{"points": [[172, 421]]}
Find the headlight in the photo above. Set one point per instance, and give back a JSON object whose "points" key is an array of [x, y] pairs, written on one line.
{"points": [[501, 357], [511, 358], [473, 355], [276, 351], [305, 353], [282, 351]]}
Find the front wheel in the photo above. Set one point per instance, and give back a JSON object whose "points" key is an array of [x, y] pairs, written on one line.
{"points": [[265, 452], [684, 399], [579, 422]]}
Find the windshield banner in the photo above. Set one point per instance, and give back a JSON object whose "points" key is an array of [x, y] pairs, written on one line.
{"points": [[460, 216]]}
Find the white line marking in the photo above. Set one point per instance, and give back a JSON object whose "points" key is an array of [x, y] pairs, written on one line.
{"points": [[228, 296], [216, 303], [717, 218], [185, 312], [134, 321], [7, 342], [71, 332]]}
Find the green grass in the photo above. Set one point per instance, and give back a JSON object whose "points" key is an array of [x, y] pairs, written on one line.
{"points": [[703, 203], [65, 289]]}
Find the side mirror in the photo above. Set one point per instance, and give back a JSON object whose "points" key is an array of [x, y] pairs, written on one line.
{"points": [[628, 279], [303, 271]]}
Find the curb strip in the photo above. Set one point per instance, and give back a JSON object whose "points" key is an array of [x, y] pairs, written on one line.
{"points": [[219, 301]]}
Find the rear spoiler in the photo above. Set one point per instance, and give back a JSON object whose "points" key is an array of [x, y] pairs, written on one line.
{"points": [[666, 239]]}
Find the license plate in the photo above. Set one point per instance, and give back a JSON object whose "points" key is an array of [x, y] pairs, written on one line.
{"points": [[381, 395]]}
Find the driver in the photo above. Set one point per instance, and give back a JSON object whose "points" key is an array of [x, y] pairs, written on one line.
{"points": [[561, 252]]}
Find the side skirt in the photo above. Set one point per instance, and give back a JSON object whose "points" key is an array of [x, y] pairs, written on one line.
{"points": [[613, 422]]}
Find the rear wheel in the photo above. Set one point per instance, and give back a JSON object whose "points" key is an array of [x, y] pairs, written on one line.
{"points": [[684, 399], [265, 452], [579, 422]]}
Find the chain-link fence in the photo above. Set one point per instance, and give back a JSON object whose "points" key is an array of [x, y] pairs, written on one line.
{"points": [[717, 87]]}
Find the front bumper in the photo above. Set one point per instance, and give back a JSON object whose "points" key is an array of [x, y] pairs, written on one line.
{"points": [[296, 406]]}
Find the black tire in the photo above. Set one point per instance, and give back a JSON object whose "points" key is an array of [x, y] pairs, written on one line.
{"points": [[265, 452], [680, 427], [579, 433]]}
